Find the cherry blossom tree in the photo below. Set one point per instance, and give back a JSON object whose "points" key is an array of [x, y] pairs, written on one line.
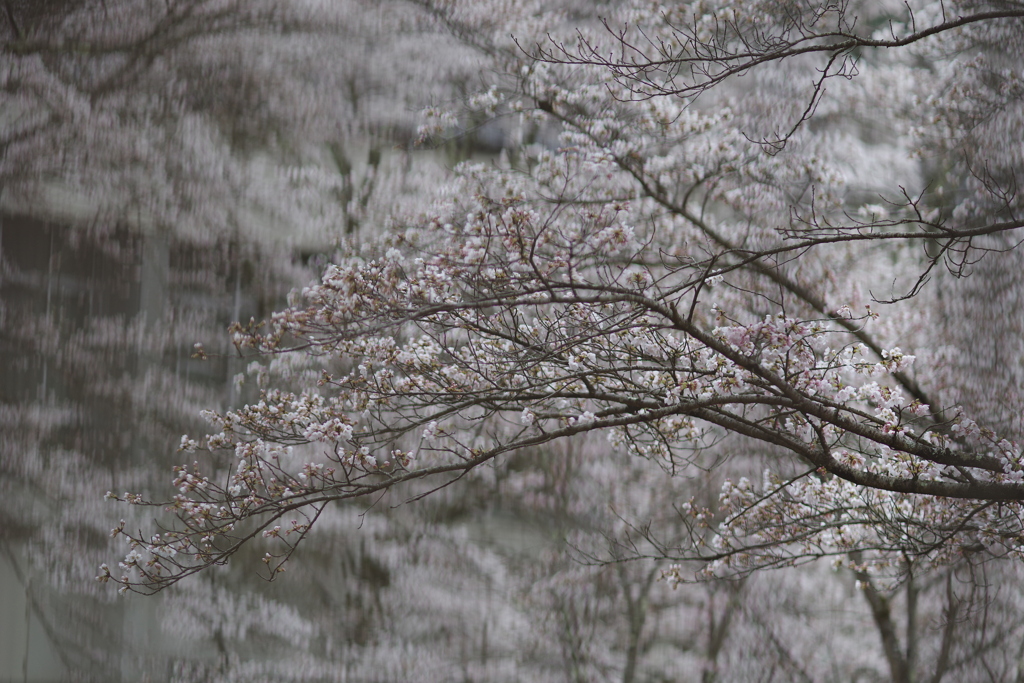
{"points": [[706, 253]]}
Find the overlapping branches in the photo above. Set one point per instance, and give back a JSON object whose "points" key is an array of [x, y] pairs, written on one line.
{"points": [[696, 51], [515, 328]]}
